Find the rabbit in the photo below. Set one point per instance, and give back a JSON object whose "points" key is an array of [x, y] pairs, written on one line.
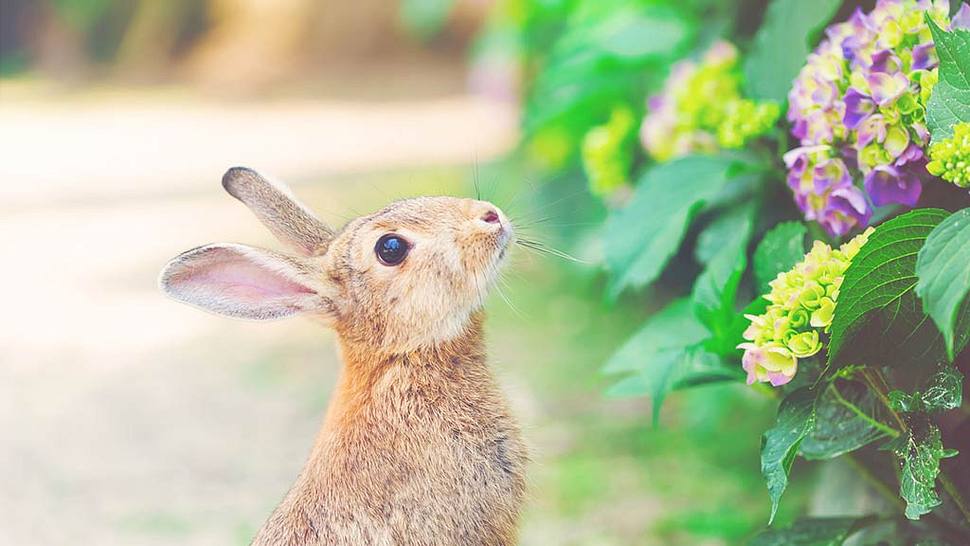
{"points": [[418, 445]]}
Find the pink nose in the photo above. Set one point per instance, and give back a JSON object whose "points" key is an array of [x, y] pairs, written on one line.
{"points": [[490, 216]]}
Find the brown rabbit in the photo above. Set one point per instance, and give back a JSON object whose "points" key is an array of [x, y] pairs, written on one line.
{"points": [[418, 445]]}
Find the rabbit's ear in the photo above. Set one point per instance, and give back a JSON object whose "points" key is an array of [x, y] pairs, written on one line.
{"points": [[279, 210], [246, 282]]}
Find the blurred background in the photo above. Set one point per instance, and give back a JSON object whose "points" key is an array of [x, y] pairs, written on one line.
{"points": [[127, 418]]}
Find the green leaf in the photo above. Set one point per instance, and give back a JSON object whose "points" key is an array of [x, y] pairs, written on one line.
{"points": [[943, 270], [920, 452], [641, 237], [950, 100], [878, 318], [779, 250], [723, 230], [715, 290], [786, 36], [636, 34], [812, 532], [601, 58], [664, 356], [845, 420], [630, 386], [669, 370], [674, 327], [779, 445], [945, 390]]}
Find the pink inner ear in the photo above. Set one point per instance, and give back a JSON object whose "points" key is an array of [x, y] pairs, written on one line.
{"points": [[247, 282], [238, 281]]}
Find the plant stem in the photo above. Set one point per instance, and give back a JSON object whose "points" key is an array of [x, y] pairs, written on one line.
{"points": [[877, 381]]}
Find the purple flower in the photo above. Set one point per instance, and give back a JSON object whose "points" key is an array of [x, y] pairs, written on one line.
{"points": [[962, 17], [858, 111], [845, 210], [886, 184], [922, 56], [857, 107]]}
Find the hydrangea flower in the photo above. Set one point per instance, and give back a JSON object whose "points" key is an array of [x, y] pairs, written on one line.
{"points": [[858, 111], [700, 109], [607, 154], [950, 158], [801, 306]]}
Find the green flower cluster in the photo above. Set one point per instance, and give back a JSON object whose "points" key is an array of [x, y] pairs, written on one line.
{"points": [[802, 304], [607, 152], [745, 119], [701, 109], [950, 158]]}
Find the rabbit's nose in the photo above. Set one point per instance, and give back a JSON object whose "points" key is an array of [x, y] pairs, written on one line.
{"points": [[491, 217], [488, 215]]}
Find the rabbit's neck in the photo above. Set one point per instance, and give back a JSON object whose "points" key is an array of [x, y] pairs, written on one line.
{"points": [[413, 443], [425, 378]]}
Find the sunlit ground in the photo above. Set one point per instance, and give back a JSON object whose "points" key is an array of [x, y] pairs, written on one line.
{"points": [[130, 419]]}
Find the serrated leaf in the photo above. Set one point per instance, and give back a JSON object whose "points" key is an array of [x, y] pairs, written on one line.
{"points": [[950, 100], [786, 36], [673, 327], [641, 237], [920, 453], [779, 250], [812, 532], [844, 416], [943, 272], [716, 288], [779, 445], [878, 318]]}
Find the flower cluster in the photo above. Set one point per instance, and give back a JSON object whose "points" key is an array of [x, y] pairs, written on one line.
{"points": [[801, 306], [950, 158], [858, 106], [701, 109], [607, 152]]}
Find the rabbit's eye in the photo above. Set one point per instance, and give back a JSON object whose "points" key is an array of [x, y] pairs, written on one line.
{"points": [[391, 249]]}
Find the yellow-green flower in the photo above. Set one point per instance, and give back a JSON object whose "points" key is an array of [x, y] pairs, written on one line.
{"points": [[701, 109], [802, 306], [950, 158], [607, 152]]}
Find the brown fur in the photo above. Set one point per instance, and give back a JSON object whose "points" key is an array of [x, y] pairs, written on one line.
{"points": [[418, 446]]}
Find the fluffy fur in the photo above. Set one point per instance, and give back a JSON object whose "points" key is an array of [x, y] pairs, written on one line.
{"points": [[418, 446]]}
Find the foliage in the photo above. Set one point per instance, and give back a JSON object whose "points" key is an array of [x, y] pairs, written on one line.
{"points": [[878, 301], [779, 446], [781, 44], [950, 101], [943, 269], [860, 338]]}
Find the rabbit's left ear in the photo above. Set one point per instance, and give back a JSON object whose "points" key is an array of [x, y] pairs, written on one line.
{"points": [[279, 210], [247, 282]]}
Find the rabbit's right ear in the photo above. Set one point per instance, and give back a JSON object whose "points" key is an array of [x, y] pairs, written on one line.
{"points": [[247, 282], [279, 210]]}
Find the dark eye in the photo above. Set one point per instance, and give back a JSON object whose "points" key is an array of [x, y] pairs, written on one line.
{"points": [[391, 249]]}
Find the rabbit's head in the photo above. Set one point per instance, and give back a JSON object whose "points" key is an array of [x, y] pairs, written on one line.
{"points": [[405, 277]]}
